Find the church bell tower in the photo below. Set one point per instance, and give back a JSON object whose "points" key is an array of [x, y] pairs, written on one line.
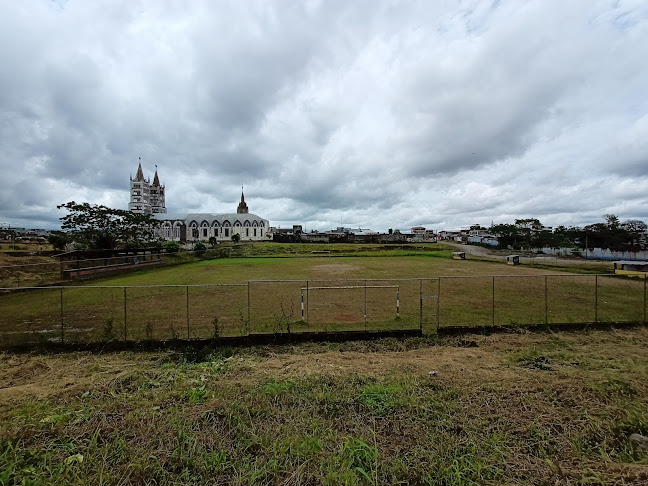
{"points": [[242, 207]]}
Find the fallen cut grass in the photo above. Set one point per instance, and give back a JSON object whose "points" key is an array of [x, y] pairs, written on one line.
{"points": [[503, 409]]}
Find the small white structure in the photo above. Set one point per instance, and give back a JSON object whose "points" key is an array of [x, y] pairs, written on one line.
{"points": [[513, 259]]}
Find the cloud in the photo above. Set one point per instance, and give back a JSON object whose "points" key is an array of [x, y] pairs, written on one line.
{"points": [[371, 113]]}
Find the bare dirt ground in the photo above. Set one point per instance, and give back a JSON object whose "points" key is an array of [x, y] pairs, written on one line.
{"points": [[334, 269]]}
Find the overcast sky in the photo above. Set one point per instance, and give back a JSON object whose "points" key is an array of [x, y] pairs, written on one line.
{"points": [[372, 114]]}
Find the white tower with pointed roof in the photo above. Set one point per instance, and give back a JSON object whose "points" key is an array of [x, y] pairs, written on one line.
{"points": [[156, 195], [146, 198]]}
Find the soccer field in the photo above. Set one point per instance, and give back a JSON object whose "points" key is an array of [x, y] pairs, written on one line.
{"points": [[240, 296]]}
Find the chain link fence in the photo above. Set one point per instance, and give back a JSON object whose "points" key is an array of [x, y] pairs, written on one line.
{"points": [[87, 314]]}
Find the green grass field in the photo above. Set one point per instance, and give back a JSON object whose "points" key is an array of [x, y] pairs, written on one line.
{"points": [[524, 408], [263, 294], [518, 408]]}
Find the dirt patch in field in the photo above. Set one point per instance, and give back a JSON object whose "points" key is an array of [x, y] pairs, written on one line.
{"points": [[336, 269]]}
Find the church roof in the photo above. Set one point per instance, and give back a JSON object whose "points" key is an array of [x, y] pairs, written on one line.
{"points": [[210, 217], [156, 180], [231, 217], [140, 175]]}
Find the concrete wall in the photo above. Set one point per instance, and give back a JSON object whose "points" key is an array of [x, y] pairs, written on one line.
{"points": [[598, 253]]}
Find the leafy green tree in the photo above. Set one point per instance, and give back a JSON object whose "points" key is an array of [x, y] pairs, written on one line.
{"points": [[529, 224], [612, 221], [610, 234], [101, 227], [58, 239], [507, 235], [171, 246], [637, 232]]}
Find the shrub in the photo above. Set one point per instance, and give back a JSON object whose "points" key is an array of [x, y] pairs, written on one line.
{"points": [[199, 248], [171, 246]]}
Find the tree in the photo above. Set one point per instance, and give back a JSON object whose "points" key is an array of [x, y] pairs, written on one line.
{"points": [[507, 235], [101, 227], [236, 237], [637, 231], [527, 228], [200, 248], [530, 224], [213, 241], [634, 226], [607, 235], [171, 246], [612, 221], [59, 239]]}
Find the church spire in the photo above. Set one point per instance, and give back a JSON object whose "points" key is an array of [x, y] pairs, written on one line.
{"points": [[140, 174], [242, 207], [156, 179]]}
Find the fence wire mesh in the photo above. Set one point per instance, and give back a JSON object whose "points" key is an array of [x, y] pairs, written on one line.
{"points": [[96, 314], [466, 301], [571, 298]]}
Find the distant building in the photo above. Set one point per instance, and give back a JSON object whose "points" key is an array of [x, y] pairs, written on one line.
{"points": [[287, 235], [419, 233], [451, 235], [149, 198], [146, 198]]}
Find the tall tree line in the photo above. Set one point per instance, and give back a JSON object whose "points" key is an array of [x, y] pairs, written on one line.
{"points": [[613, 234]]}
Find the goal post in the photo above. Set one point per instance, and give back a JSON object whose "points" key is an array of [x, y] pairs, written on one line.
{"points": [[306, 291]]}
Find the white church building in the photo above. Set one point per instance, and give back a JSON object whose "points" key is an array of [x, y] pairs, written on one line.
{"points": [[147, 198]]}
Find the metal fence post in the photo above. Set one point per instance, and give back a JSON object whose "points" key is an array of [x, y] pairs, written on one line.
{"points": [[438, 304], [493, 300], [249, 324], [125, 328], [365, 304], [398, 302], [546, 301], [62, 327], [421, 304], [595, 298], [307, 300], [188, 335], [645, 278]]}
